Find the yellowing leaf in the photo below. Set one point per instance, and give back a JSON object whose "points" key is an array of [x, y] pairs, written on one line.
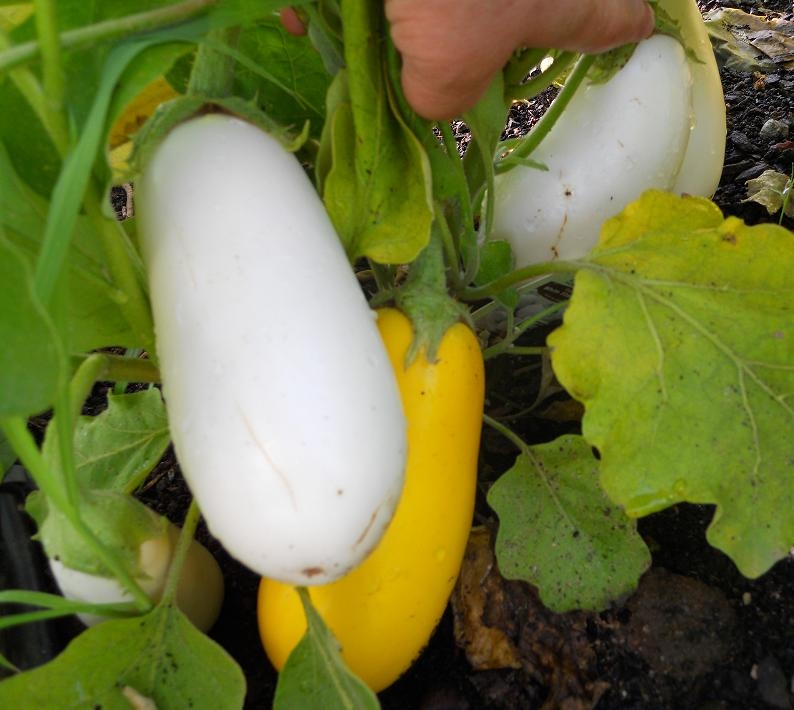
{"points": [[771, 189], [14, 15], [138, 110], [679, 340]]}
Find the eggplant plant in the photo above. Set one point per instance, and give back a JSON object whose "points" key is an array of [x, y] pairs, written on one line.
{"points": [[302, 303]]}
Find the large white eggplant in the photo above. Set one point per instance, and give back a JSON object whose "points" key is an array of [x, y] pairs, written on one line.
{"points": [[283, 406]]}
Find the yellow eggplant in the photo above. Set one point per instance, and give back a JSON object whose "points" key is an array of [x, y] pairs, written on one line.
{"points": [[384, 612]]}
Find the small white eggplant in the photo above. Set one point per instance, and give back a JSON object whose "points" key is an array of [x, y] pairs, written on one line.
{"points": [[613, 141], [701, 169], [283, 406], [199, 592]]}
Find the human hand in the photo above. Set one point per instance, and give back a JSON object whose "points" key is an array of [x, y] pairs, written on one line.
{"points": [[452, 49]]}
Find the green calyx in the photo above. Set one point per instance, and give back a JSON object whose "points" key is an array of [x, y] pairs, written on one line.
{"points": [[426, 302]]}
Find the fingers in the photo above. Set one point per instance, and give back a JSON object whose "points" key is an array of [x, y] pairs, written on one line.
{"points": [[590, 26], [451, 49]]}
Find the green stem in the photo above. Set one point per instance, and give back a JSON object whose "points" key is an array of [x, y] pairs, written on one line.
{"points": [[492, 289], [543, 81], [213, 70], [125, 268], [450, 249], [28, 85], [109, 29], [65, 420], [425, 300], [54, 84], [24, 446], [521, 63], [493, 351], [120, 368], [506, 344], [508, 433], [526, 145], [180, 551]]}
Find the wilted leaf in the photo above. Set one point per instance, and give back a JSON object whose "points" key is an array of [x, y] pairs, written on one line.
{"points": [[747, 42], [558, 530], [160, 656], [477, 590], [679, 340], [770, 189]]}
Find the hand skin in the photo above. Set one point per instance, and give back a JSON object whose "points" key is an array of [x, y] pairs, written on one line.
{"points": [[452, 49]]}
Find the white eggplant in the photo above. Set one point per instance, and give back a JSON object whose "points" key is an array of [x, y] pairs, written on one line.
{"points": [[283, 407], [701, 169], [199, 592], [613, 141]]}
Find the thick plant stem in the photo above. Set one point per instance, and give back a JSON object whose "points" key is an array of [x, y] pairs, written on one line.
{"points": [[213, 70], [425, 300]]}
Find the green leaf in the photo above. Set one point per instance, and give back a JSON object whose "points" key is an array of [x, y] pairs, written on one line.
{"points": [[679, 340], [30, 354], [94, 318], [378, 190], [116, 449], [315, 676], [285, 74], [497, 260], [558, 530], [160, 656]]}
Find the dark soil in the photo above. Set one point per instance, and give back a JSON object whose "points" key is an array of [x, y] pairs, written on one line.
{"points": [[695, 635]]}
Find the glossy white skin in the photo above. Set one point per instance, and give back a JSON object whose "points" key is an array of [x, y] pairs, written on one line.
{"points": [[283, 407], [701, 169], [199, 592], [613, 141]]}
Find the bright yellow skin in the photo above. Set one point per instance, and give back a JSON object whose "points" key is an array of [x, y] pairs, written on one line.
{"points": [[384, 612]]}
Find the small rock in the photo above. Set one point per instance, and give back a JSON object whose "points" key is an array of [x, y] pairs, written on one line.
{"points": [[731, 169], [752, 172], [774, 130], [742, 142], [772, 683]]}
